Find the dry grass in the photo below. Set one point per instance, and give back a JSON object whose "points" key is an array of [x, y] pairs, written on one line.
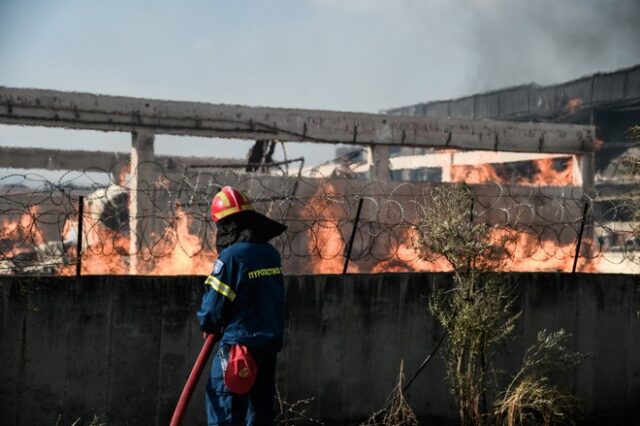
{"points": [[534, 401], [397, 411], [530, 398], [293, 413], [96, 420]]}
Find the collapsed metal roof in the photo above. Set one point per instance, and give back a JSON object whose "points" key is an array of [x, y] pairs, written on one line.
{"points": [[564, 102], [608, 100]]}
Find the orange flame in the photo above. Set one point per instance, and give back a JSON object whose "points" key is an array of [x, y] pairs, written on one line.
{"points": [[176, 251], [404, 258], [187, 255], [325, 241], [519, 252], [526, 252], [22, 234], [475, 174], [574, 104], [546, 174]]}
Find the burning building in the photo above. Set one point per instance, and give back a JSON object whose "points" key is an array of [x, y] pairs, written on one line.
{"points": [[610, 101], [159, 213]]}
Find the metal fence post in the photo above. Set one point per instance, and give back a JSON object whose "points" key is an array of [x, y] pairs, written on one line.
{"points": [[578, 246], [79, 242], [353, 236]]}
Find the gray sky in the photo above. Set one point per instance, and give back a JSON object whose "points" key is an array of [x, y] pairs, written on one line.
{"points": [[355, 55]]}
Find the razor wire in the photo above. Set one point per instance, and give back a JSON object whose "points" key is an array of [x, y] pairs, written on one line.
{"points": [[173, 233]]}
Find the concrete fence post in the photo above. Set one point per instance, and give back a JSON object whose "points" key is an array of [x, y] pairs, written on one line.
{"points": [[584, 171], [140, 205], [379, 163]]}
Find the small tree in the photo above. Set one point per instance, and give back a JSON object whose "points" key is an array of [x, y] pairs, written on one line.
{"points": [[478, 314]]}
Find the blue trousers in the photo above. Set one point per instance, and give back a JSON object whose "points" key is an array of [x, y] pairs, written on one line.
{"points": [[253, 408]]}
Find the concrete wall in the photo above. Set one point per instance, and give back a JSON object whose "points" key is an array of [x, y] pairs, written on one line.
{"points": [[123, 346]]}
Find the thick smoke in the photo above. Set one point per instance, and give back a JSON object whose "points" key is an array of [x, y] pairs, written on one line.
{"points": [[428, 50], [355, 55], [549, 41]]}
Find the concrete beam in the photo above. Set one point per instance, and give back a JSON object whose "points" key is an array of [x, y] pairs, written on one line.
{"points": [[50, 108], [60, 159]]}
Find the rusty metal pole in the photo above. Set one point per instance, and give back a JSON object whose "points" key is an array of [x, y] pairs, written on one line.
{"points": [[79, 242]]}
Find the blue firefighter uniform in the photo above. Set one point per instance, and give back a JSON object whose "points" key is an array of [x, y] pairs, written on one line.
{"points": [[244, 298]]}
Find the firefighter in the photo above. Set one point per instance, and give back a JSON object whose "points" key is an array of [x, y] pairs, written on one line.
{"points": [[243, 302]]}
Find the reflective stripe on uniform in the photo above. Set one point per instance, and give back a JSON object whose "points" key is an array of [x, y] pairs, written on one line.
{"points": [[220, 287]]}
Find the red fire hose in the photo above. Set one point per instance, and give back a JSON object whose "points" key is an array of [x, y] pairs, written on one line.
{"points": [[192, 381]]}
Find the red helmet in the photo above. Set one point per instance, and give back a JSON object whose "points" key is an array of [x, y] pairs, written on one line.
{"points": [[229, 201]]}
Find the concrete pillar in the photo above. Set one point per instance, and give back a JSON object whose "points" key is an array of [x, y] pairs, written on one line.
{"points": [[584, 170], [584, 175], [140, 205], [447, 169], [577, 172], [379, 163]]}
